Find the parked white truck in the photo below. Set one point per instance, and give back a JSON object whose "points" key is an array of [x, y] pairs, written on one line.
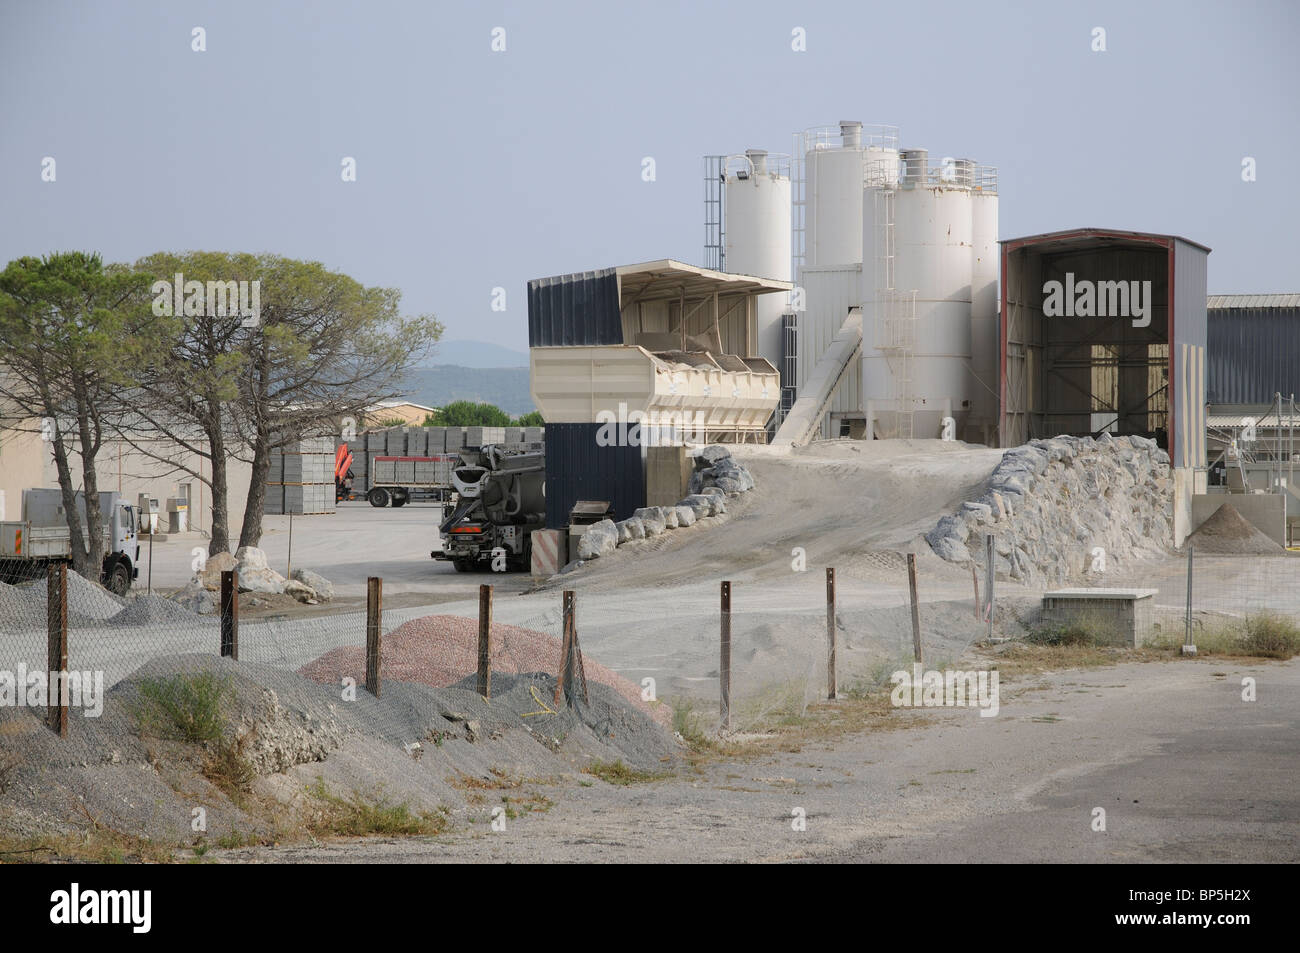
{"points": [[42, 537]]}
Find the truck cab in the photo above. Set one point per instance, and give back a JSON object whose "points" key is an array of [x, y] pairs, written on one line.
{"points": [[42, 537]]}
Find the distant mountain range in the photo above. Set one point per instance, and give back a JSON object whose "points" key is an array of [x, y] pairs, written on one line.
{"points": [[507, 387], [477, 354]]}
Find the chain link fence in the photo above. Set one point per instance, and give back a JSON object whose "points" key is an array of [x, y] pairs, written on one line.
{"points": [[655, 653]]}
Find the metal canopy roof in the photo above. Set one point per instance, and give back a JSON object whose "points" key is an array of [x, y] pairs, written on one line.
{"points": [[1097, 236], [669, 279], [1253, 301]]}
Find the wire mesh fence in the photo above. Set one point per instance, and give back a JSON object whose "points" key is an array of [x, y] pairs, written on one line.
{"points": [[658, 654]]}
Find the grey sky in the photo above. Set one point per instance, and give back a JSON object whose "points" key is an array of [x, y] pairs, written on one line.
{"points": [[478, 169]]}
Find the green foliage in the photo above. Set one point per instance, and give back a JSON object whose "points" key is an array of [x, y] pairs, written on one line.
{"points": [[184, 707], [466, 413], [616, 772], [358, 816], [72, 332], [1270, 635]]}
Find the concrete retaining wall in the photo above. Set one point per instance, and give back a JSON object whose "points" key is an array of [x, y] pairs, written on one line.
{"points": [[1265, 511]]}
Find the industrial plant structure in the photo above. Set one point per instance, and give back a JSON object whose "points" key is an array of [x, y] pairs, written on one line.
{"points": [[891, 329], [859, 288]]}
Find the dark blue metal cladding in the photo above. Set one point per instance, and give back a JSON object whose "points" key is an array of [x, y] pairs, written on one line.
{"points": [[578, 468], [578, 310], [1252, 354]]}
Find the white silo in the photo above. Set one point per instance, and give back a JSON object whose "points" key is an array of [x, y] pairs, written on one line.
{"points": [[757, 235], [833, 173], [985, 323], [917, 296]]}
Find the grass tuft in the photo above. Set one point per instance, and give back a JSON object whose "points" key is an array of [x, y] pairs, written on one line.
{"points": [[616, 772], [184, 707], [359, 816]]}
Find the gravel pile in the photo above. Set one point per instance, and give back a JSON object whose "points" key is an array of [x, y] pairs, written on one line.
{"points": [[1227, 532], [88, 603], [441, 650], [152, 610]]}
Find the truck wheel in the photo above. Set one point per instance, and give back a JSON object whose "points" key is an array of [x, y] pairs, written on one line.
{"points": [[378, 496], [400, 498], [119, 578], [463, 565]]}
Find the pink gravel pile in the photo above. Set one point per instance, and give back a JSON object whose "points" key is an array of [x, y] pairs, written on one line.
{"points": [[440, 650]]}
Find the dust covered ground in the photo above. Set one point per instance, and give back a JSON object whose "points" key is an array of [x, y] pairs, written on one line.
{"points": [[1184, 769]]}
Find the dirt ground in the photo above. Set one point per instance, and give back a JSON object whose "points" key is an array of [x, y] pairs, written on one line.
{"points": [[1184, 769]]}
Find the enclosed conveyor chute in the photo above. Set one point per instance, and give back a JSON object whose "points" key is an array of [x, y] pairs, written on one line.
{"points": [[805, 417]]}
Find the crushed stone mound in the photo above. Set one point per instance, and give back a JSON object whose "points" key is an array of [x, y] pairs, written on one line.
{"points": [[1227, 532], [86, 599], [152, 610], [438, 651]]}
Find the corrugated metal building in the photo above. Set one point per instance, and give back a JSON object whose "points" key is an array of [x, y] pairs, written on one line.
{"points": [[1101, 366], [593, 338], [1254, 348]]}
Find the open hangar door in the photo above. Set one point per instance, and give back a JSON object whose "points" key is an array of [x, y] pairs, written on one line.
{"points": [[1105, 331]]}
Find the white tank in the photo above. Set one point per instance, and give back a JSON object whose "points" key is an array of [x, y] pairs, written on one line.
{"points": [[833, 197], [984, 316], [933, 258], [757, 235]]}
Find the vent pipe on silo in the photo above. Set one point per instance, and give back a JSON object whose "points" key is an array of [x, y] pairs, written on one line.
{"points": [[758, 159], [851, 134], [914, 165]]}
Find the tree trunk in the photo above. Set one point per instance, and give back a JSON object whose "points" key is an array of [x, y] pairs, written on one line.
{"points": [[219, 486], [90, 481], [76, 539], [251, 532]]}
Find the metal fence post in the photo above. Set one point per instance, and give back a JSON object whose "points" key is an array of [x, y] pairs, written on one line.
{"points": [[1189, 647], [230, 614]]}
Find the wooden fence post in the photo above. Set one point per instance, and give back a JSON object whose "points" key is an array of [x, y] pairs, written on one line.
{"points": [[570, 654], [831, 686], [916, 614], [724, 661], [485, 641], [56, 618], [374, 612], [230, 614]]}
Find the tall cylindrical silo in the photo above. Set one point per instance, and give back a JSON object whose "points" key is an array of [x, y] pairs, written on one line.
{"points": [[984, 316], [932, 267], [757, 231], [833, 199]]}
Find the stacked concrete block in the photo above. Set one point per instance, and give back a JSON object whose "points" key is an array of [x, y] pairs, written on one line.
{"points": [[301, 477], [417, 442], [456, 438], [437, 440], [482, 436], [534, 434]]}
